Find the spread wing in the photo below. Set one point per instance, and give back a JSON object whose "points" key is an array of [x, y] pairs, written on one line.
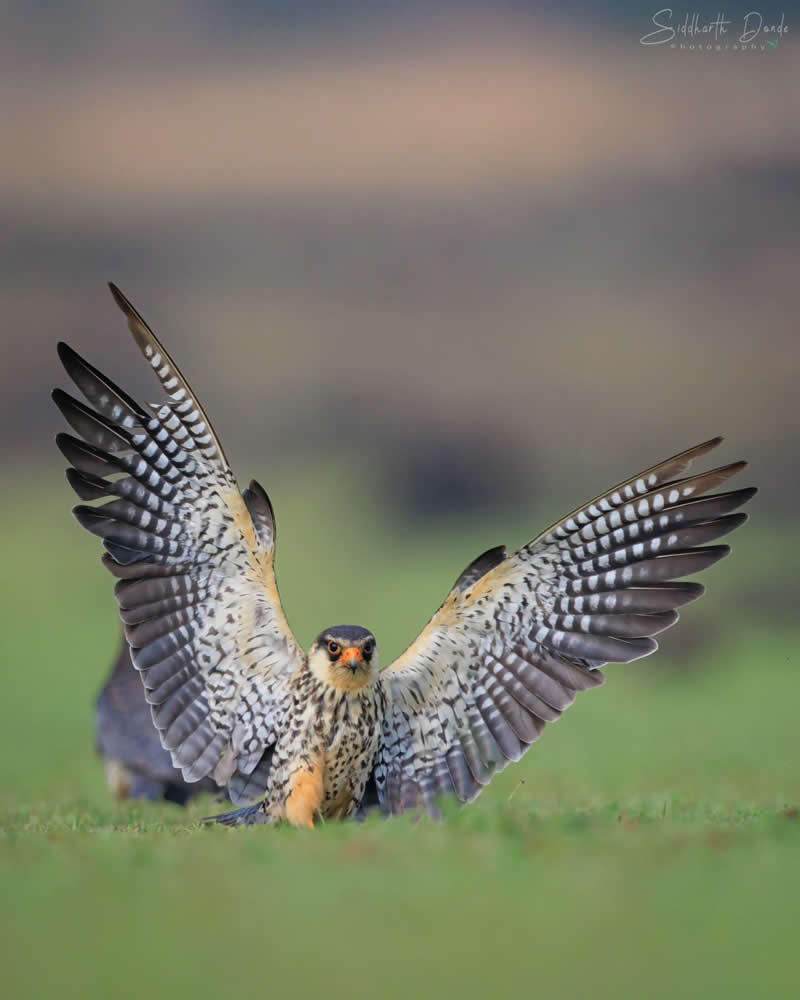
{"points": [[195, 558], [518, 637]]}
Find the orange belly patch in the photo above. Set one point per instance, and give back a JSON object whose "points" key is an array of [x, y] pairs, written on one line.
{"points": [[305, 795]]}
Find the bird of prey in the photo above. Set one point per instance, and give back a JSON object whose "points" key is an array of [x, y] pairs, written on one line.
{"points": [[297, 736], [136, 764]]}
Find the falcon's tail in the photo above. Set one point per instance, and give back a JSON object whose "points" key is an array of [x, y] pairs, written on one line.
{"points": [[241, 817]]}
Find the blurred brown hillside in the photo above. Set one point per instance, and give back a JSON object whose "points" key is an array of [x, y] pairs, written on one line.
{"points": [[488, 254]]}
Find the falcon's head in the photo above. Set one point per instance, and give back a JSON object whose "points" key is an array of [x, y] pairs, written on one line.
{"points": [[345, 656]]}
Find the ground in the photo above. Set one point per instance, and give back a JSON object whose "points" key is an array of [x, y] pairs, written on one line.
{"points": [[648, 846]]}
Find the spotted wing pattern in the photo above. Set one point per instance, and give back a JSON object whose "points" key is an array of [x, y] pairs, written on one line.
{"points": [[194, 555], [518, 637]]}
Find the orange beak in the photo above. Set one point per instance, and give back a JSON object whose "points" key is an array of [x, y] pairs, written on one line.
{"points": [[352, 658]]}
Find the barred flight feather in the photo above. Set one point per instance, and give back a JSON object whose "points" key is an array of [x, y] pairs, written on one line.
{"points": [[247, 785]]}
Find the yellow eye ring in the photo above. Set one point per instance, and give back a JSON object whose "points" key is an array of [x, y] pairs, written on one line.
{"points": [[334, 648]]}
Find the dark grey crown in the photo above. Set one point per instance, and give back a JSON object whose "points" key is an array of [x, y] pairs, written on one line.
{"points": [[349, 633]]}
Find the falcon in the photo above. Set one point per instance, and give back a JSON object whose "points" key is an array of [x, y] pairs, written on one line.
{"points": [[297, 736]]}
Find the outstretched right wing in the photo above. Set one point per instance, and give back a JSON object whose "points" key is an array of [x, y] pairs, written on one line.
{"points": [[519, 636], [195, 558]]}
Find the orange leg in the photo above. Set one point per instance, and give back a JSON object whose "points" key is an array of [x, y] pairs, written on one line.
{"points": [[305, 796]]}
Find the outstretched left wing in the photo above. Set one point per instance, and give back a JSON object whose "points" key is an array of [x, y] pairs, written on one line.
{"points": [[518, 637], [195, 559]]}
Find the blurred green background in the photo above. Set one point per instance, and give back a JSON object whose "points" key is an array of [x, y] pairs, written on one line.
{"points": [[438, 274]]}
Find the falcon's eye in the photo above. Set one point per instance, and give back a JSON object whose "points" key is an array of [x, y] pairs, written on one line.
{"points": [[334, 648], [367, 649]]}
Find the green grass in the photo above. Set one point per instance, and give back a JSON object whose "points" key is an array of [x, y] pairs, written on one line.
{"points": [[648, 846]]}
